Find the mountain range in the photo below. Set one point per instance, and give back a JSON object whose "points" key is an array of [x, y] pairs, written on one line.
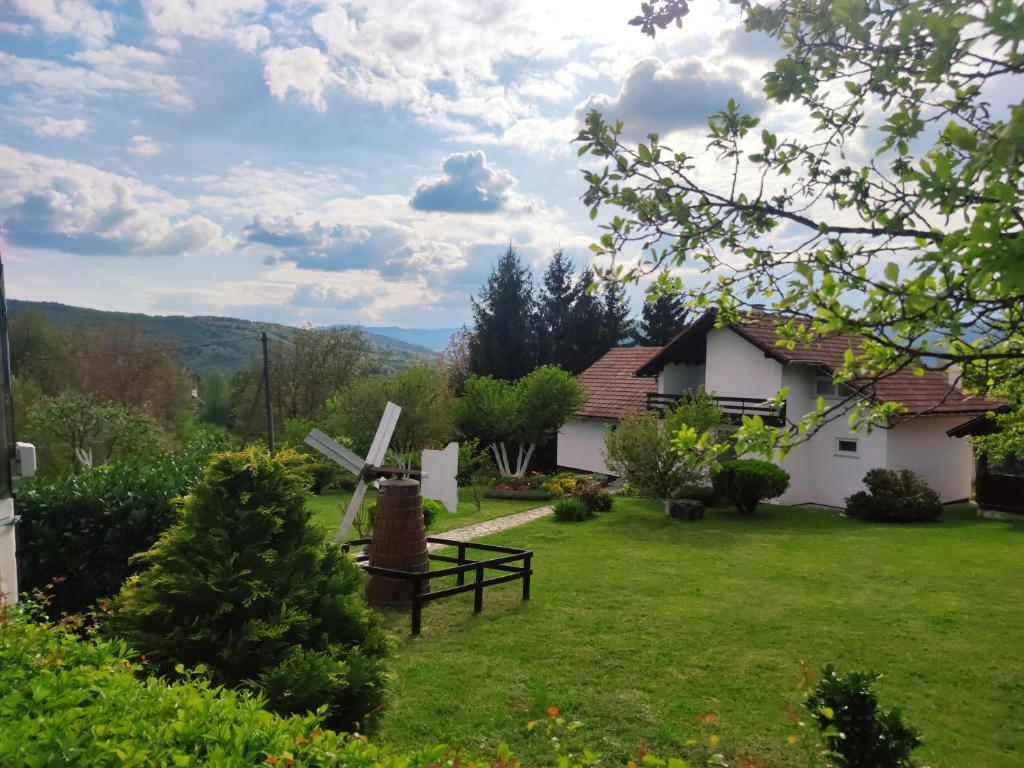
{"points": [[207, 344]]}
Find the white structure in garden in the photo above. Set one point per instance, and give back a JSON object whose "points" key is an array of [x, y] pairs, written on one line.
{"points": [[743, 365]]}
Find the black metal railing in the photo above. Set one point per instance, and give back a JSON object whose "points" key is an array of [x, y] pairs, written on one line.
{"points": [[734, 408], [463, 565]]}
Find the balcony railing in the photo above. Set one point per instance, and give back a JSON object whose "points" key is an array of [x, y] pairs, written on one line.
{"points": [[734, 408]]}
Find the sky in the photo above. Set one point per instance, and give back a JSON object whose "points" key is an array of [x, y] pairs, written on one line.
{"points": [[345, 161]]}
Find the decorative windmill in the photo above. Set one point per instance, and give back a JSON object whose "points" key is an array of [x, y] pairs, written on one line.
{"points": [[438, 475]]}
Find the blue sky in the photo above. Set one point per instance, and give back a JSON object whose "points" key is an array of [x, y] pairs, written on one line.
{"points": [[323, 162]]}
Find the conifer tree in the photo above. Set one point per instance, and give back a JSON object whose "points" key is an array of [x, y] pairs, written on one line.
{"points": [[661, 320], [246, 586], [558, 295], [586, 341], [505, 340], [616, 326]]}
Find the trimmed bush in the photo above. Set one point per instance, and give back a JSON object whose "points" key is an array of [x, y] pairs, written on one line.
{"points": [[856, 732], [894, 497], [571, 510], [431, 511], [80, 533], [748, 482], [245, 585]]}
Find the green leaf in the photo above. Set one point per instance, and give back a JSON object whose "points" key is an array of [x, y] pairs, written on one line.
{"points": [[892, 272]]}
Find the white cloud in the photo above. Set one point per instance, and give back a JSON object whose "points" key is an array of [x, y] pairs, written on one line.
{"points": [[116, 70], [231, 20], [305, 70], [467, 184], [76, 208], [143, 146], [70, 18], [64, 129], [22, 30]]}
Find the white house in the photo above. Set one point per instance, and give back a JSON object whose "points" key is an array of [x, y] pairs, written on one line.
{"points": [[743, 365]]}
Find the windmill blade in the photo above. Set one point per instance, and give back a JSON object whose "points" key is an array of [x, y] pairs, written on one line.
{"points": [[381, 440], [439, 471], [335, 451], [350, 513]]}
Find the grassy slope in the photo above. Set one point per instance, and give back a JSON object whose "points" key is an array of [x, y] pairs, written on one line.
{"points": [[227, 344], [640, 624], [326, 510]]}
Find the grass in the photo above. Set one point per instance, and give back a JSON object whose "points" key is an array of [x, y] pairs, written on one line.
{"points": [[328, 509], [640, 625]]}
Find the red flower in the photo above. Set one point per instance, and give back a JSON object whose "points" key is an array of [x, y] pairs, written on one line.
{"points": [[709, 718], [553, 711]]}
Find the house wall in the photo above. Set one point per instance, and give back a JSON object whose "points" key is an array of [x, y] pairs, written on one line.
{"points": [[581, 445], [946, 463], [676, 378], [736, 368], [817, 474]]}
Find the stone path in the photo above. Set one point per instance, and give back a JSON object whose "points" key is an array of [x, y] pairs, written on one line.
{"points": [[486, 528]]}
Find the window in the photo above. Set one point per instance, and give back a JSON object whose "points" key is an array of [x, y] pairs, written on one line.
{"points": [[824, 386], [846, 446]]}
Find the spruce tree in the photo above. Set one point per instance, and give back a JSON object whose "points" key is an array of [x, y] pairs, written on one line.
{"points": [[584, 336], [505, 341], [615, 323], [662, 319], [558, 295], [245, 585]]}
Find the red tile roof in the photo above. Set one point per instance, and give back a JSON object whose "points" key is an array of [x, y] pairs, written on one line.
{"points": [[610, 386], [612, 390], [927, 394]]}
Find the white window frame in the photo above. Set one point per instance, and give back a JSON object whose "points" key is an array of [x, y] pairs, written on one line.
{"points": [[833, 388], [854, 454]]}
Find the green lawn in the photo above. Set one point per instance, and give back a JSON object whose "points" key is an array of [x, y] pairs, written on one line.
{"points": [[328, 509], [639, 625]]}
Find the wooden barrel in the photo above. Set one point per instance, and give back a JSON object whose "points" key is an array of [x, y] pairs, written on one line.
{"points": [[399, 542]]}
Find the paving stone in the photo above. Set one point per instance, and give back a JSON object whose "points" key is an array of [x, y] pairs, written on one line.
{"points": [[488, 527]]}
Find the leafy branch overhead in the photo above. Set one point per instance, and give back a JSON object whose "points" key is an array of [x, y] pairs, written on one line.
{"points": [[899, 218]]}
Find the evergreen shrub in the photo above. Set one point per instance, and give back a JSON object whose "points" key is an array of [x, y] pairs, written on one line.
{"points": [[748, 482], [247, 586]]}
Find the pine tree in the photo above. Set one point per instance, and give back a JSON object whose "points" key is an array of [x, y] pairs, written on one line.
{"points": [[662, 319], [616, 326], [245, 584], [558, 296], [505, 342]]}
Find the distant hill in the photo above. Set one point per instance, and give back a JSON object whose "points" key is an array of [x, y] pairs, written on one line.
{"points": [[435, 339], [206, 344]]}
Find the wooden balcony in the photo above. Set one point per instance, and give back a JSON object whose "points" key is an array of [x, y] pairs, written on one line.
{"points": [[734, 408]]}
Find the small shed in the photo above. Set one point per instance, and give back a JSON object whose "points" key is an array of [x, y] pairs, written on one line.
{"points": [[998, 487]]}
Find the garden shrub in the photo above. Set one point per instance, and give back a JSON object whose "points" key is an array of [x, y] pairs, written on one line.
{"points": [[705, 494], [748, 482], [431, 511], [856, 732], [571, 510], [894, 496], [538, 494], [245, 585], [80, 533], [595, 499], [66, 701]]}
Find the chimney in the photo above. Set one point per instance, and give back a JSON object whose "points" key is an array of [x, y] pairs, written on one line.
{"points": [[954, 374]]}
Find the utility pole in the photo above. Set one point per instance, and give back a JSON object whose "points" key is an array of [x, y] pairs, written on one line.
{"points": [[266, 392]]}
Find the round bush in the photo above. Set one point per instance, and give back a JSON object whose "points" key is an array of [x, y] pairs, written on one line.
{"points": [[894, 497], [748, 482], [431, 510], [571, 510]]}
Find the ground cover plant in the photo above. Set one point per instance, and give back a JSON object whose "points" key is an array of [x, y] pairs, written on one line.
{"points": [[244, 585], [645, 630]]}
